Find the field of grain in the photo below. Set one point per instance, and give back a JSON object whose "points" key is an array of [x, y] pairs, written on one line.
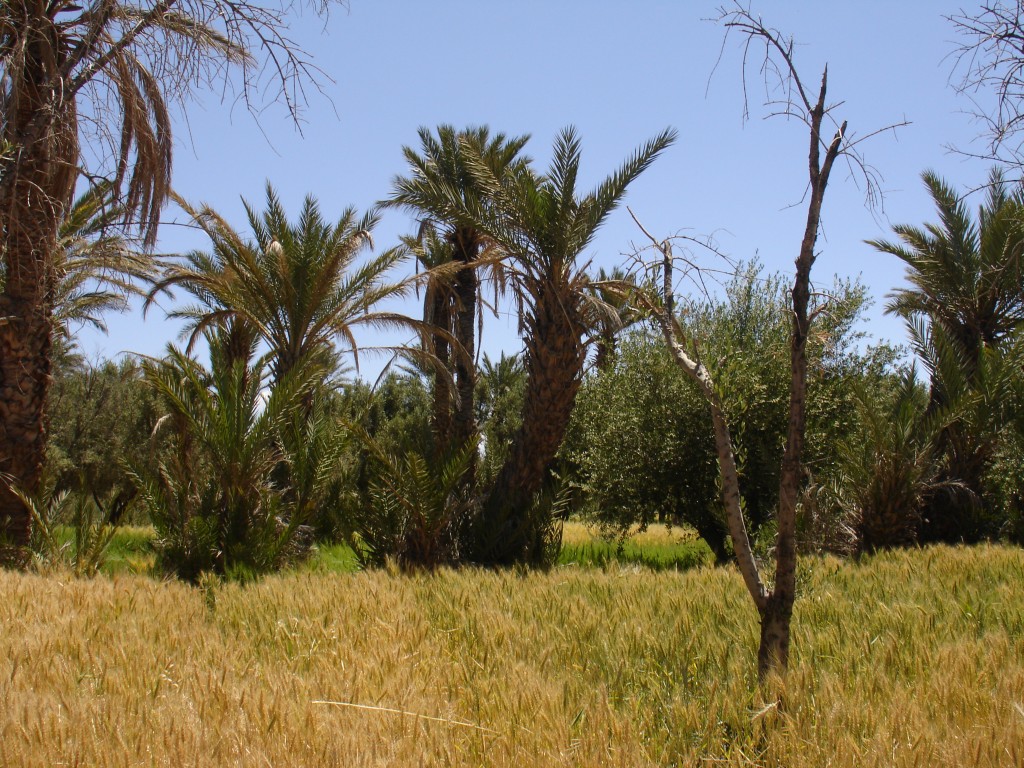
{"points": [[911, 658]]}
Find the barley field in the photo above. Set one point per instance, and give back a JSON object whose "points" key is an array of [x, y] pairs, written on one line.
{"points": [[905, 659]]}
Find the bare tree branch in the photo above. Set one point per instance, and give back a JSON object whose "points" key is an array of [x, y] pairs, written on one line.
{"points": [[988, 70]]}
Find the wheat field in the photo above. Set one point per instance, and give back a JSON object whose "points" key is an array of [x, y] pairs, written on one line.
{"points": [[906, 659]]}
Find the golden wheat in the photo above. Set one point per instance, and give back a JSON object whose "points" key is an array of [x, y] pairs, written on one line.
{"points": [[906, 659]]}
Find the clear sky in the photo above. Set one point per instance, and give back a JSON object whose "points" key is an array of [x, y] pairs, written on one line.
{"points": [[620, 72]]}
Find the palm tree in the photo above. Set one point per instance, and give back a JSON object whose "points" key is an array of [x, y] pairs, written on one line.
{"points": [[440, 188], [963, 306], [52, 55], [435, 256], [298, 287], [543, 224], [118, 62], [97, 267], [214, 502], [965, 276]]}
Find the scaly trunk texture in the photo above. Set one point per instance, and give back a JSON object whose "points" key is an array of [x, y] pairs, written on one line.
{"points": [[25, 337], [35, 200], [467, 285], [442, 406], [555, 355], [606, 351]]}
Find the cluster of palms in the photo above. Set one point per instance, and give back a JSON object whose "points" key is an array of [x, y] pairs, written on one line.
{"points": [[252, 449], [940, 456], [253, 445]]}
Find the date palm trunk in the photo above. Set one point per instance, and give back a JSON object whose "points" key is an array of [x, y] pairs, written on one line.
{"points": [[32, 205], [442, 395], [555, 356], [467, 286]]}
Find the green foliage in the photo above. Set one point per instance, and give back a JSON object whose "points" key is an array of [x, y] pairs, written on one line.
{"points": [[642, 444], [213, 501], [56, 511], [500, 389], [966, 276], [964, 310], [602, 553], [417, 510], [395, 412], [395, 415], [95, 265], [887, 470], [641, 440], [100, 416], [297, 286], [980, 400], [131, 550], [543, 223], [1005, 484]]}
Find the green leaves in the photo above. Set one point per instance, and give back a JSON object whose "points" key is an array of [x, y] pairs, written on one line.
{"points": [[215, 500], [965, 275], [300, 286], [418, 507]]}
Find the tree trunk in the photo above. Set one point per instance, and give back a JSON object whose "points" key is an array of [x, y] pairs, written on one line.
{"points": [[24, 382], [466, 289], [775, 618], [773, 651], [442, 396], [34, 202], [555, 356], [606, 351]]}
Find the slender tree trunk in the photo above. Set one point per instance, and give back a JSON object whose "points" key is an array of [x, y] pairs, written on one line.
{"points": [[773, 653], [442, 395], [467, 286], [33, 204], [555, 356]]}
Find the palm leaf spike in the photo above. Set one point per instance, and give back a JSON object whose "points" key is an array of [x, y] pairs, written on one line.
{"points": [[297, 284]]}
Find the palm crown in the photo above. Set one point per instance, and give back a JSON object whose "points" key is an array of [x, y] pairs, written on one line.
{"points": [[543, 225], [298, 286], [966, 276]]}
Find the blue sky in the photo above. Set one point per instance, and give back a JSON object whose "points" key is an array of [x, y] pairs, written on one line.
{"points": [[620, 72]]}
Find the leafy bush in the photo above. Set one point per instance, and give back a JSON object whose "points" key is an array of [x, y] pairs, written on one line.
{"points": [[417, 508], [641, 445], [99, 416], [213, 500], [87, 518]]}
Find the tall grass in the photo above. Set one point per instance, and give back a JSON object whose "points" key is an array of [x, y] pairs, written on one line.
{"points": [[909, 658]]}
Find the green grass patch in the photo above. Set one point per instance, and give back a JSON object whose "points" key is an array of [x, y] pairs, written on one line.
{"points": [[659, 549], [131, 551], [331, 558]]}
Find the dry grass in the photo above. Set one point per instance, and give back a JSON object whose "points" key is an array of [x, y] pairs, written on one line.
{"points": [[656, 534], [907, 659]]}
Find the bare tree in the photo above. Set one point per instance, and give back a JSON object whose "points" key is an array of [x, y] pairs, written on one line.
{"points": [[829, 141], [989, 70], [103, 73]]}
